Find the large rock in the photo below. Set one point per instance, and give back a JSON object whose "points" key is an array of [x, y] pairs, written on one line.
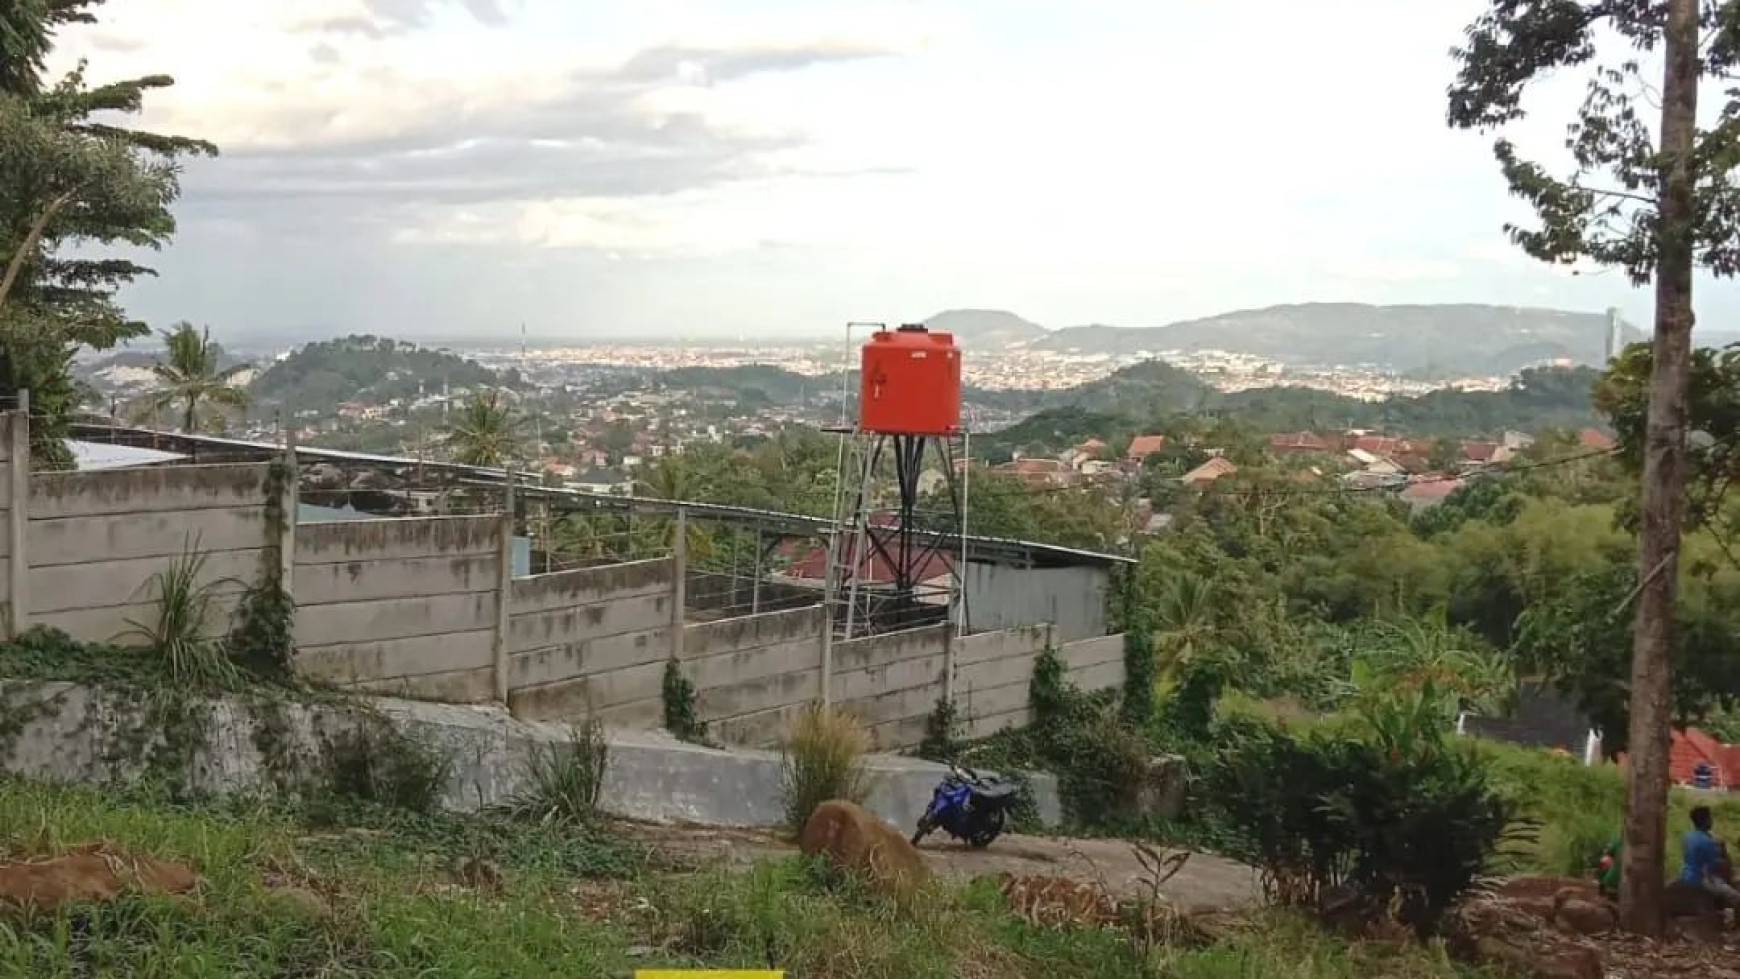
{"points": [[1542, 960], [850, 838], [1161, 791], [1585, 917]]}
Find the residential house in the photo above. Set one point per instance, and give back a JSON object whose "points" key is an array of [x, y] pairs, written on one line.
{"points": [[1078, 456], [1477, 454], [1297, 443], [1429, 491], [1038, 472], [1698, 759], [933, 572], [606, 482], [1595, 439], [1208, 472], [1143, 446]]}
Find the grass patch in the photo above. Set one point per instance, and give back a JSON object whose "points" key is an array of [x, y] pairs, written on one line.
{"points": [[375, 897], [563, 780]]}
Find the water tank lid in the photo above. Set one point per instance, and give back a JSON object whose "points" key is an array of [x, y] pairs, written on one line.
{"points": [[914, 328]]}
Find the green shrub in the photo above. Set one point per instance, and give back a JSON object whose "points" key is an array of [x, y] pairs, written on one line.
{"points": [[179, 631], [563, 781], [375, 763], [679, 703], [1392, 814], [823, 760], [942, 732]]}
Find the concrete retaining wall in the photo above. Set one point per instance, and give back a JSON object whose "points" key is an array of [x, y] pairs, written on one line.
{"points": [[95, 541], [591, 641], [403, 606], [75, 735]]}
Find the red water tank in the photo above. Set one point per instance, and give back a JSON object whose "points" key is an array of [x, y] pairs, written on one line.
{"points": [[910, 383]]}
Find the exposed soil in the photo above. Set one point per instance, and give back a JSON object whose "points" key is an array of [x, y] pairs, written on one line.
{"points": [[1204, 883]]}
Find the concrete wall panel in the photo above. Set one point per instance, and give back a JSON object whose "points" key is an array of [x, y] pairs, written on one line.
{"points": [[751, 696], [861, 654], [575, 699], [983, 646], [1092, 652], [1000, 597], [721, 669], [581, 623], [357, 581], [344, 541], [124, 536], [391, 658], [111, 624], [763, 729], [108, 583], [395, 618], [552, 664], [1102, 677], [130, 491], [457, 687], [894, 705], [751, 631], [906, 674], [565, 589]]}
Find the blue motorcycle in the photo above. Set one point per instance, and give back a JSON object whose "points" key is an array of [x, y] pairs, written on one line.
{"points": [[968, 807]]}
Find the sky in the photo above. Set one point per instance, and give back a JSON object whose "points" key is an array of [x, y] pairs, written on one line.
{"points": [[773, 168]]}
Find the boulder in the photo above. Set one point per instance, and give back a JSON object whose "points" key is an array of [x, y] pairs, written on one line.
{"points": [[1160, 794], [852, 839], [1542, 960]]}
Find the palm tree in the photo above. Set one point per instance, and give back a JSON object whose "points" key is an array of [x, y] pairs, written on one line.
{"points": [[486, 431], [1184, 622], [190, 381]]}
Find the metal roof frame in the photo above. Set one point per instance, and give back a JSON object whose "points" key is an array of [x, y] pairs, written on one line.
{"points": [[979, 548]]}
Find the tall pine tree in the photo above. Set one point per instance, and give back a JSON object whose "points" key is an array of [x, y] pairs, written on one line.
{"points": [[70, 183], [1651, 192]]}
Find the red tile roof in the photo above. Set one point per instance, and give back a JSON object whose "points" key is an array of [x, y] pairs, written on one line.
{"points": [[878, 569], [1143, 446], [1479, 451], [1434, 488], [1691, 746], [1594, 438], [1297, 442]]}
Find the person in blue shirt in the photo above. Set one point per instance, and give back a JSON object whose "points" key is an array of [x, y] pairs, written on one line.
{"points": [[1703, 855]]}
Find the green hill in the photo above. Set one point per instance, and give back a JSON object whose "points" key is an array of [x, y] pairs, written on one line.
{"points": [[370, 369]]}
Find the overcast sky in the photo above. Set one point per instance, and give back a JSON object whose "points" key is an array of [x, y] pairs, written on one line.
{"points": [[778, 167]]}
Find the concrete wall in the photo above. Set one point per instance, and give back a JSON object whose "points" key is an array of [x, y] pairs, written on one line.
{"points": [[1073, 599], [95, 540], [892, 682], [592, 640], [754, 673], [402, 606], [994, 669]]}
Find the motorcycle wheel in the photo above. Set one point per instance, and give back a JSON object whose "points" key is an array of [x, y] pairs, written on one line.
{"points": [[987, 832], [924, 828]]}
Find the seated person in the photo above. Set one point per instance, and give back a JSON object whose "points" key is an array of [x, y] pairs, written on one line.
{"points": [[1705, 861]]}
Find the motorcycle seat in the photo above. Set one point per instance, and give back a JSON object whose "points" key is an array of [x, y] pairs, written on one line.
{"points": [[1001, 790]]}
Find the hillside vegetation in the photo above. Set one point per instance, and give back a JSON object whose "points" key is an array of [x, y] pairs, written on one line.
{"points": [[366, 368]]}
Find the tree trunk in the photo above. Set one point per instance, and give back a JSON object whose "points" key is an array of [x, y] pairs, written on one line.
{"points": [[1646, 787]]}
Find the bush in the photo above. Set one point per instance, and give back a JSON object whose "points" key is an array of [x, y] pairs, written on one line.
{"points": [[1391, 816], [563, 781], [823, 759], [678, 693], [377, 764], [942, 732]]}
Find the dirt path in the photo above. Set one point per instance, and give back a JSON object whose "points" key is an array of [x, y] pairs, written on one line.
{"points": [[1205, 882]]}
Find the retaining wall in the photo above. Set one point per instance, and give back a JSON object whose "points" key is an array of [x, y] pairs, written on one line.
{"points": [[754, 673]]}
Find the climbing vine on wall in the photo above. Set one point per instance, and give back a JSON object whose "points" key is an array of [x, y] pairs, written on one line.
{"points": [[261, 639]]}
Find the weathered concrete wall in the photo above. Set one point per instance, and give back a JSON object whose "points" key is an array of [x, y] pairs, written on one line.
{"points": [[1073, 599], [403, 606], [992, 673], [94, 540], [892, 682], [81, 735], [592, 641], [754, 673]]}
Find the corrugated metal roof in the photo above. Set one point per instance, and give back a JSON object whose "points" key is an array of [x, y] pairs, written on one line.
{"points": [[92, 456]]}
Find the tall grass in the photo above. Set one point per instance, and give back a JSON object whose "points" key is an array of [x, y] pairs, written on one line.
{"points": [[823, 760], [563, 781], [382, 907], [179, 633]]}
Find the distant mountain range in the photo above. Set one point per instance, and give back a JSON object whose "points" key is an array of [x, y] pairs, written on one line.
{"points": [[1429, 339]]}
